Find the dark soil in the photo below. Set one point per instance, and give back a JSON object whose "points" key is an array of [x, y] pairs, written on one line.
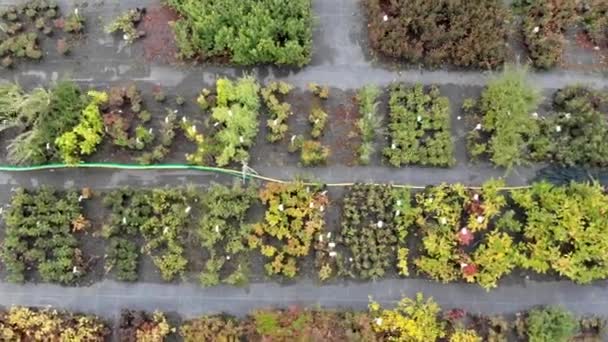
{"points": [[159, 42]]}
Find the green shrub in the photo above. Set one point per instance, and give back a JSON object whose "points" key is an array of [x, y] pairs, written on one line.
{"points": [[543, 26], [419, 127], [505, 126], [39, 235], [279, 111], [318, 120], [160, 216], [126, 23], [577, 134], [375, 224], [165, 140], [83, 139], [414, 320], [463, 33], [236, 115], [551, 324], [369, 123], [247, 32], [565, 230], [313, 153], [42, 115], [223, 232], [20, 24], [294, 214]]}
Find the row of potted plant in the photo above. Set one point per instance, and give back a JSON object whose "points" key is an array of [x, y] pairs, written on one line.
{"points": [[458, 233], [416, 319], [64, 123]]}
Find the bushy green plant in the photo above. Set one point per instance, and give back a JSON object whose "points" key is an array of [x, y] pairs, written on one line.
{"points": [[414, 320], [375, 224], [453, 220], [577, 133], [165, 140], [318, 120], [313, 153], [565, 230], [39, 235], [279, 111], [236, 115], [126, 23], [463, 33], [550, 324], [83, 139], [247, 32], [294, 215], [222, 229], [505, 126], [200, 154], [544, 24], [160, 216], [419, 127], [369, 123]]}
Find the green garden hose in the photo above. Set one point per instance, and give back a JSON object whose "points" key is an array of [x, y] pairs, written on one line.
{"points": [[230, 172]]}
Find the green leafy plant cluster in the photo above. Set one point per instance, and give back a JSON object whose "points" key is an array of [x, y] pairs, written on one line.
{"points": [[547, 324], [126, 23], [369, 123], [462, 33], [318, 120], [20, 26], [565, 230], [375, 224], [544, 24], [40, 235], [164, 140], [41, 116], [223, 233], [457, 242], [83, 139], [312, 151], [161, 217], [505, 126], [419, 127], [413, 320], [294, 215], [236, 115], [577, 133], [250, 32], [25, 324], [279, 111]]}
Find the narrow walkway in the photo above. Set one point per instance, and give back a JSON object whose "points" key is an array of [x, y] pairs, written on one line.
{"points": [[108, 297]]}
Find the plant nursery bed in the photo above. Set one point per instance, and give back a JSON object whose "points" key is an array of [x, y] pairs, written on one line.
{"points": [[230, 234], [283, 324]]}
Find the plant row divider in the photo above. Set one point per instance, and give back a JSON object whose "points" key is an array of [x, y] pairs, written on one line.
{"points": [[231, 172]]}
